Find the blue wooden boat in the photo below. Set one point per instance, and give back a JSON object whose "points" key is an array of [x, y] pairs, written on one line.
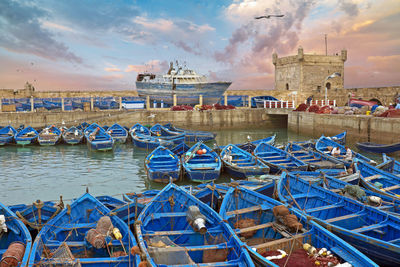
{"points": [[201, 166], [49, 136], [373, 232], [378, 180], [70, 235], [389, 165], [193, 232], [73, 136], [190, 135], [250, 146], [139, 129], [13, 236], [98, 139], [378, 148], [252, 215], [118, 133], [36, 215], [149, 142], [162, 165], [26, 136], [313, 159], [7, 135], [339, 138], [161, 132], [110, 202], [277, 159], [241, 164], [83, 126], [180, 149], [324, 145]]}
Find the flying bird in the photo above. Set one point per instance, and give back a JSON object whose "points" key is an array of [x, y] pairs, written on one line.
{"points": [[269, 16]]}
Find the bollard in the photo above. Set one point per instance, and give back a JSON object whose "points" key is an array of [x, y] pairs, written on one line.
{"points": [[120, 103], [32, 104], [154, 104], [226, 99], [249, 103], [200, 100], [91, 104], [62, 104], [174, 100], [162, 103], [1, 105], [148, 102]]}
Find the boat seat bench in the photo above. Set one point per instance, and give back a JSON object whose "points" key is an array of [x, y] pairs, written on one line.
{"points": [[369, 178], [340, 218], [373, 227], [245, 210], [390, 188], [278, 241], [321, 208], [254, 228]]}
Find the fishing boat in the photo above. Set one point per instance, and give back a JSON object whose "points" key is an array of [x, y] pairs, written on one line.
{"points": [[118, 133], [389, 165], [15, 239], [201, 164], [49, 136], [139, 129], [178, 229], [378, 180], [261, 223], [240, 163], [378, 148], [37, 214], [72, 136], [325, 145], [180, 149], [86, 233], [277, 159], [250, 146], [373, 232], [26, 136], [149, 142], [110, 202], [190, 135], [162, 165], [185, 83], [161, 132], [314, 159], [7, 135], [339, 138], [83, 126], [98, 139]]}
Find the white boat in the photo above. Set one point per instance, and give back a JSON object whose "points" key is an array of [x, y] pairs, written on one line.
{"points": [[185, 83]]}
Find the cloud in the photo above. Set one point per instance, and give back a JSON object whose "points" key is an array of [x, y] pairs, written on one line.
{"points": [[350, 8], [181, 33], [21, 31], [154, 66], [112, 69]]}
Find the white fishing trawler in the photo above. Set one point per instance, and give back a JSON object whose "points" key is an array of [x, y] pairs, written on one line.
{"points": [[185, 83]]}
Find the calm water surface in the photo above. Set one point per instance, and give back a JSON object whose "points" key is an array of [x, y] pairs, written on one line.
{"points": [[35, 172]]}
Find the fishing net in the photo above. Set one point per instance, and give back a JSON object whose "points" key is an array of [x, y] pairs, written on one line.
{"points": [[282, 214], [313, 108], [301, 107], [13, 255], [163, 251], [215, 255], [245, 223], [96, 237], [354, 191], [62, 256]]}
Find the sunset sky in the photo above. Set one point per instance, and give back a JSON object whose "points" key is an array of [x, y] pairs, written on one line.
{"points": [[103, 44]]}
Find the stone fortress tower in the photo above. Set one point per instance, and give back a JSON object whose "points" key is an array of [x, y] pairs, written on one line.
{"points": [[308, 73]]}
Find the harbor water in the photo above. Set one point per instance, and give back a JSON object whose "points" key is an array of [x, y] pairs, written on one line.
{"points": [[34, 172]]}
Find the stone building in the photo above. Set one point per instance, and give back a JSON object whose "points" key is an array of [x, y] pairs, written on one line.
{"points": [[308, 73]]}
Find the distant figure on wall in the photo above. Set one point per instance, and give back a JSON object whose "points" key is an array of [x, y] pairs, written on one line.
{"points": [[309, 99]]}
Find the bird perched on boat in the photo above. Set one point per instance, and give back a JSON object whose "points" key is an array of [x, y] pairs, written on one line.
{"points": [[269, 16]]}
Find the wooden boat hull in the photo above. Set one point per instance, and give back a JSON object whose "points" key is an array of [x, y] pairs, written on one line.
{"points": [[242, 203], [378, 148], [161, 165], [165, 217], [16, 232], [373, 232], [80, 217]]}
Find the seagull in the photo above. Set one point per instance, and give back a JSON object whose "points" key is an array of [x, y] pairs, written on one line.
{"points": [[151, 116], [269, 16]]}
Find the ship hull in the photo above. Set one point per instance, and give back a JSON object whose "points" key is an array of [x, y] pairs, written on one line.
{"points": [[186, 93]]}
